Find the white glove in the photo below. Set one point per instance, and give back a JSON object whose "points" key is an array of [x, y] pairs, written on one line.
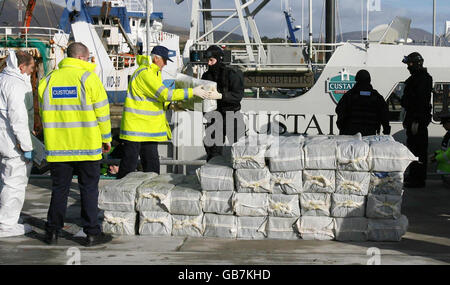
{"points": [[214, 95], [200, 92], [415, 128]]}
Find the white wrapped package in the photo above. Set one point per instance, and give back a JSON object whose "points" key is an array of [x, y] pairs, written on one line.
{"points": [[386, 183], [283, 205], [286, 154], [249, 227], [120, 195], [220, 226], [155, 223], [253, 180], [320, 154], [191, 226], [120, 223], [315, 204], [353, 183], [183, 201], [352, 155], [388, 156], [319, 181], [218, 202], [351, 229], [384, 206], [378, 138], [287, 182], [215, 177], [249, 152], [342, 138], [250, 204], [316, 228], [171, 178], [196, 103], [343, 206], [150, 194], [280, 228], [387, 229]]}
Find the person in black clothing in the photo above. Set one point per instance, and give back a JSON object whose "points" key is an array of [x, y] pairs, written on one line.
{"points": [[362, 109], [230, 87], [416, 101]]}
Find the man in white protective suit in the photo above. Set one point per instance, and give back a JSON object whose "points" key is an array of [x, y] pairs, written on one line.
{"points": [[15, 141]]}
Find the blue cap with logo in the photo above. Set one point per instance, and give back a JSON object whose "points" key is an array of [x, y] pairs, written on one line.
{"points": [[162, 52]]}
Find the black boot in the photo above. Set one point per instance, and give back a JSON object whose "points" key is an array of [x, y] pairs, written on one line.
{"points": [[51, 237], [101, 238]]}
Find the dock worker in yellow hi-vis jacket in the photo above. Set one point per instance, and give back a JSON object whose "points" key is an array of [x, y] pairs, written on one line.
{"points": [[144, 122], [75, 114]]}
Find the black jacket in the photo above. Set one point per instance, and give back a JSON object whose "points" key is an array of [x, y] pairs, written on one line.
{"points": [[362, 109], [416, 98], [230, 82]]}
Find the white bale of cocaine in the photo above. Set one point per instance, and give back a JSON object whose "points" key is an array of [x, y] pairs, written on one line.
{"points": [[320, 153], [250, 204], [315, 228], [387, 229], [171, 178], [191, 226], [315, 204], [352, 155], [280, 228], [343, 138], [378, 138], [183, 201], [150, 194], [217, 202], [286, 206], [384, 206], [253, 180], [249, 227], [351, 229], [288, 183], [286, 154], [352, 183], [219, 226], [319, 181], [386, 183], [120, 223], [343, 205], [120, 195], [388, 156], [155, 223], [216, 175], [249, 152]]}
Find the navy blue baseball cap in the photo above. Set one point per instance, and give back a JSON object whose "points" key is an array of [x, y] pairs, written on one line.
{"points": [[162, 52]]}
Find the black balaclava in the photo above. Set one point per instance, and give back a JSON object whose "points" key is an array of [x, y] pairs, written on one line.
{"points": [[217, 53], [363, 79]]}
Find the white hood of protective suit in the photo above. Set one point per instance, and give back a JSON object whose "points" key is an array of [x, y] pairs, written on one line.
{"points": [[14, 125]]}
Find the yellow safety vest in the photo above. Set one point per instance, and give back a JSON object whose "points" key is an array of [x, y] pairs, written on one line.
{"points": [[75, 112], [144, 117]]}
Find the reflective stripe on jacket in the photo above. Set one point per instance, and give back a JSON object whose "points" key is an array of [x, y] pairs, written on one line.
{"points": [[75, 112], [144, 117]]}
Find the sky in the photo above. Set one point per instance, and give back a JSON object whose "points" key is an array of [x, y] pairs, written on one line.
{"points": [[271, 23]]}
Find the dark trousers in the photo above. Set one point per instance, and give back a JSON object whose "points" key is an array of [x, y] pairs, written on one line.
{"points": [[232, 127], [418, 145], [148, 151], [88, 177]]}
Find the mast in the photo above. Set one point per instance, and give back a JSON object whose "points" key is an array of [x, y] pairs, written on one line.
{"points": [[330, 26], [149, 10]]}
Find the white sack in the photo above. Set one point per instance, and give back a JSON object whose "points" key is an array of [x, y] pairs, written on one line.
{"points": [[353, 183], [280, 228], [384, 206], [171, 178], [286, 154], [386, 183], [120, 223], [216, 176], [155, 224], [218, 202], [191, 226], [183, 201], [316, 228], [388, 156], [387, 229], [249, 227], [319, 181], [320, 154], [343, 206], [150, 194], [283, 205], [250, 204], [287, 182], [352, 155], [220, 226], [352, 229], [249, 152], [378, 138], [253, 180], [315, 204]]}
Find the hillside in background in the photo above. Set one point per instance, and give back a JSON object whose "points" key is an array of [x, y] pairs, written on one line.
{"points": [[46, 13]]}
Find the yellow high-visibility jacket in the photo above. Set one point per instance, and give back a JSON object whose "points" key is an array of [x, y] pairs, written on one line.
{"points": [[74, 109], [144, 117]]}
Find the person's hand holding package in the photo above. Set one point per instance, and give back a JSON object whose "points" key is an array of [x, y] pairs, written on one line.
{"points": [[199, 91], [214, 95]]}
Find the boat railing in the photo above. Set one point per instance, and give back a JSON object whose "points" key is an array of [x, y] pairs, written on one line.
{"points": [[28, 35], [121, 61]]}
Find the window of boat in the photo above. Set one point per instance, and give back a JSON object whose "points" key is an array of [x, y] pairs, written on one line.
{"points": [[441, 98], [395, 109], [142, 25]]}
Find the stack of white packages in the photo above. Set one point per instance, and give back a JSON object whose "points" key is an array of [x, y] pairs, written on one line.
{"points": [[117, 199]]}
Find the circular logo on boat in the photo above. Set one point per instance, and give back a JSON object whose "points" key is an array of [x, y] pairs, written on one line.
{"points": [[338, 85]]}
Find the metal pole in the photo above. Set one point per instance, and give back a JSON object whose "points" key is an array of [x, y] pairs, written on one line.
{"points": [[149, 10], [330, 26], [310, 31], [303, 9], [434, 22], [367, 31], [362, 21]]}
